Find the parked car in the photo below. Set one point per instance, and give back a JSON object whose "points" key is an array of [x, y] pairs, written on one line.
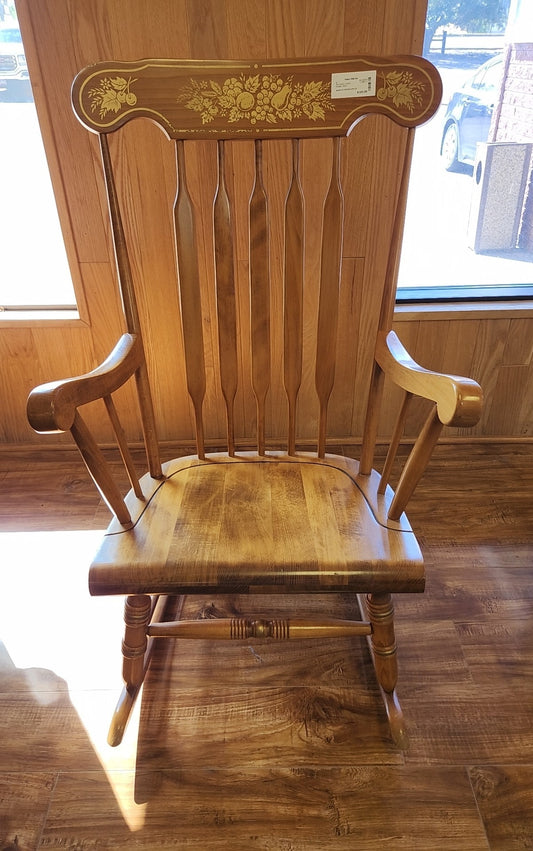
{"points": [[14, 77], [469, 113]]}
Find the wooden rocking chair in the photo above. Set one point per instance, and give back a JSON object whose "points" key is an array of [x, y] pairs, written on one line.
{"points": [[262, 516]]}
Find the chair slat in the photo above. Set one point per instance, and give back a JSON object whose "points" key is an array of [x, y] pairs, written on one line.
{"points": [[259, 296], [189, 291], [394, 443], [328, 307], [225, 291], [293, 293]]}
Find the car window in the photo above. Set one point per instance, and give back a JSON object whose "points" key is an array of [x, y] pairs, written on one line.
{"points": [[493, 76], [478, 78]]}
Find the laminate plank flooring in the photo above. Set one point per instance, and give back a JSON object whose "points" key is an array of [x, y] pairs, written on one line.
{"points": [[263, 745]]}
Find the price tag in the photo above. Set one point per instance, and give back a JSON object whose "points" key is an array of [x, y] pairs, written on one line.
{"points": [[353, 84]]}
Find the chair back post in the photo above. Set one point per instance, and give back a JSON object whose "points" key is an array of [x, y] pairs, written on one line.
{"points": [[393, 260], [131, 313], [388, 301]]}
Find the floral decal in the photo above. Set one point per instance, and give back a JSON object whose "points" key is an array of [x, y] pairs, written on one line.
{"points": [[111, 95], [404, 90], [260, 98]]}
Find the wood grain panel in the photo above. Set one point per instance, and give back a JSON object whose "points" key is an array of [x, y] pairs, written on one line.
{"points": [[460, 345], [519, 345], [510, 382], [286, 28], [36, 723], [505, 800], [324, 29], [207, 29], [402, 27], [246, 28], [24, 801], [301, 808]]}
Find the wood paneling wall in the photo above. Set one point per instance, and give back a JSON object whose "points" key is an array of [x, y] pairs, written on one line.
{"points": [[61, 36]]}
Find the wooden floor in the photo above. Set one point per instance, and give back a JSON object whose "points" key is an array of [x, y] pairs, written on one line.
{"points": [[263, 745]]}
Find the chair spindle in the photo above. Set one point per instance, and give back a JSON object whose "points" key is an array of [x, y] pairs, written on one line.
{"points": [[293, 293], [225, 293], [189, 292], [259, 296], [394, 443], [328, 308], [123, 446]]}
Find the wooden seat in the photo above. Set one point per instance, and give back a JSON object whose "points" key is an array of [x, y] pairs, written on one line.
{"points": [[260, 523], [255, 510]]}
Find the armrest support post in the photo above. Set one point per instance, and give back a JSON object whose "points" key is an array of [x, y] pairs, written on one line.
{"points": [[99, 470], [416, 464]]}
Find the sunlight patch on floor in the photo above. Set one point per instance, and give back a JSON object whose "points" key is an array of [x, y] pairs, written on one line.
{"points": [[58, 639]]}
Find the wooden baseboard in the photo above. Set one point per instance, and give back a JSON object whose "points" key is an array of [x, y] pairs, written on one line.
{"points": [[46, 449]]}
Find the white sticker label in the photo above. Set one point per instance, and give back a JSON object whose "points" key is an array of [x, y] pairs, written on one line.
{"points": [[354, 84]]}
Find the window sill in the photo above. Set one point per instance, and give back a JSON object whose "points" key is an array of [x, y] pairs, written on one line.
{"points": [[49, 318], [512, 308]]}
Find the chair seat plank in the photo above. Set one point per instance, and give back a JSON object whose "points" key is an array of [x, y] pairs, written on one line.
{"points": [[225, 524]]}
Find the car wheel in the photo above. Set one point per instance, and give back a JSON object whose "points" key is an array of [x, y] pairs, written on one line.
{"points": [[450, 148]]}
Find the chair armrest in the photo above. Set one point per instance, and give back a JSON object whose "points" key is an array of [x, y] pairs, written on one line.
{"points": [[458, 400], [52, 407]]}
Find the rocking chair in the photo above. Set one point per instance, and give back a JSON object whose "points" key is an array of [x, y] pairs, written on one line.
{"points": [[263, 508]]}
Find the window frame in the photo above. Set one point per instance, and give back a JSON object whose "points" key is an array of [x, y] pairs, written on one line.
{"points": [[53, 314]]}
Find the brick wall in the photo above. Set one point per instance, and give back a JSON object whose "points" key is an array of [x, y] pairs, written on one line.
{"points": [[513, 121]]}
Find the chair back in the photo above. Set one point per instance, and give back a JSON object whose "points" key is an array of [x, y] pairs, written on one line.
{"points": [[272, 196]]}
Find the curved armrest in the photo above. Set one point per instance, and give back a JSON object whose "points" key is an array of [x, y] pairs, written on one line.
{"points": [[459, 400], [52, 407]]}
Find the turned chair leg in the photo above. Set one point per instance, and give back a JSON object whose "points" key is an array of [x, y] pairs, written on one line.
{"points": [[137, 614], [383, 648], [137, 611]]}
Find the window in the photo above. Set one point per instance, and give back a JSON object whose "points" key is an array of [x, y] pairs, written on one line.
{"points": [[469, 221], [34, 269]]}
